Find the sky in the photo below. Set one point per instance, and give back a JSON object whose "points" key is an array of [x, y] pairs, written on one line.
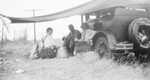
{"points": [[21, 8]]}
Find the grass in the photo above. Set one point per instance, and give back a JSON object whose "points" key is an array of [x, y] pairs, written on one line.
{"points": [[94, 68], [20, 47], [105, 69]]}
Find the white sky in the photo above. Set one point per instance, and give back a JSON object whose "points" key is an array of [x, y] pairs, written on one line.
{"points": [[17, 8]]}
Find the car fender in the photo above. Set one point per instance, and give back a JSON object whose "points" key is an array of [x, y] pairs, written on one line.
{"points": [[109, 36]]}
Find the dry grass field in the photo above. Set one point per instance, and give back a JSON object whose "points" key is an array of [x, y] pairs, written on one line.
{"points": [[86, 66]]}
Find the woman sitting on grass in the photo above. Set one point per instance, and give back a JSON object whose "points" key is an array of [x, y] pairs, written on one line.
{"points": [[83, 44]]}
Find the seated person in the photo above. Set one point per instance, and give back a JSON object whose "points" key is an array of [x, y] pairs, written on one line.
{"points": [[47, 49], [69, 42], [83, 44]]}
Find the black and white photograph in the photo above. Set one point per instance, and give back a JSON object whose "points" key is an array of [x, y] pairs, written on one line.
{"points": [[74, 39]]}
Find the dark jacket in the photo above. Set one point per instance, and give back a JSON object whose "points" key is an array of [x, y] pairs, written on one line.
{"points": [[73, 35]]}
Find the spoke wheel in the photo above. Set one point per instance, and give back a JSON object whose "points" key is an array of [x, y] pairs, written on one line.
{"points": [[102, 48]]}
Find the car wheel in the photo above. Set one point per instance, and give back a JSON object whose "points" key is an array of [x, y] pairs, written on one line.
{"points": [[102, 47], [135, 29]]}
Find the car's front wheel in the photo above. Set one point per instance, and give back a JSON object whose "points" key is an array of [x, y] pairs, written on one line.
{"points": [[102, 47]]}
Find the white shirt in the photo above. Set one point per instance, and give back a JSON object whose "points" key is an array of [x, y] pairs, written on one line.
{"points": [[49, 41], [87, 35]]}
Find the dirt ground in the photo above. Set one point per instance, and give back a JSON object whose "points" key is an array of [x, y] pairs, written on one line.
{"points": [[86, 66]]}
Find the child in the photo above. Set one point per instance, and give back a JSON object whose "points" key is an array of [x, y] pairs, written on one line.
{"points": [[48, 40], [48, 44]]}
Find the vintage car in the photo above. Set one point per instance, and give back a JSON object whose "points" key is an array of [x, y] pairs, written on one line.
{"points": [[120, 28]]}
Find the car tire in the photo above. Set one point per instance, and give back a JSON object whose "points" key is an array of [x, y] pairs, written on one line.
{"points": [[102, 47], [133, 31]]}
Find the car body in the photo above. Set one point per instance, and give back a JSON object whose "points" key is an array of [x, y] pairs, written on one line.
{"points": [[120, 26]]}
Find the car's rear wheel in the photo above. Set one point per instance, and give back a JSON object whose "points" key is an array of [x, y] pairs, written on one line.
{"points": [[102, 47]]}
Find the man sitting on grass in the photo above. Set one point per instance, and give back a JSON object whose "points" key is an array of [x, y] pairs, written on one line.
{"points": [[69, 40]]}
